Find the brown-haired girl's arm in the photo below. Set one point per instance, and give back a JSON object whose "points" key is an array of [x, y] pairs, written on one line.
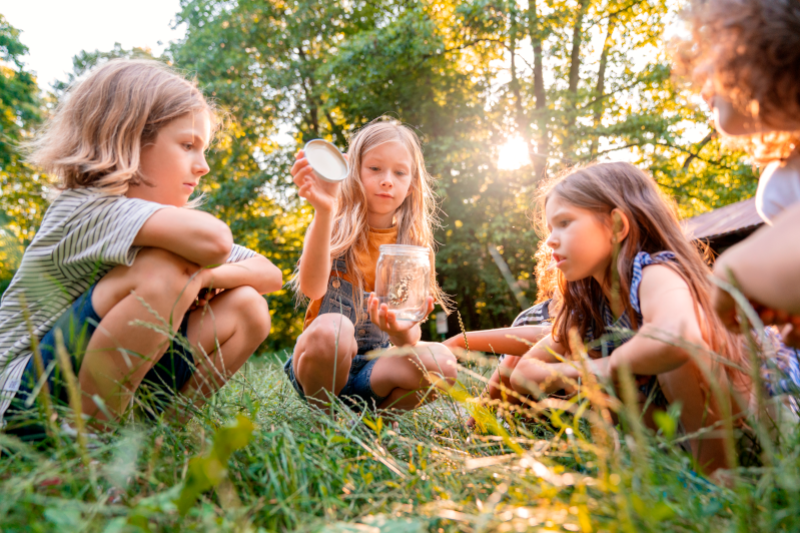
{"points": [[540, 370], [194, 235], [766, 266], [500, 341], [670, 329]]}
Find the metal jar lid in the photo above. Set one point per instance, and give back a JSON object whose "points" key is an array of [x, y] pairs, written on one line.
{"points": [[326, 160]]}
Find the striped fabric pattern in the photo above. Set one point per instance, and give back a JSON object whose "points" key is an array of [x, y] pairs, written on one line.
{"points": [[84, 234]]}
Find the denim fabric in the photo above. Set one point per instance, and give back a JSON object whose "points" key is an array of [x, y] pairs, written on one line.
{"points": [[77, 325], [369, 337]]}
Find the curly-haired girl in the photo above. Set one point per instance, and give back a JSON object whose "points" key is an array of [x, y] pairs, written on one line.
{"points": [[746, 55]]}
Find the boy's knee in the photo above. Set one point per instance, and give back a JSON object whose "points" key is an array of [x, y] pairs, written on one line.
{"points": [[157, 276], [164, 272], [253, 310]]}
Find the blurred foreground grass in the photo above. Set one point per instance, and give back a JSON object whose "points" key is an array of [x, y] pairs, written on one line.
{"points": [[306, 471]]}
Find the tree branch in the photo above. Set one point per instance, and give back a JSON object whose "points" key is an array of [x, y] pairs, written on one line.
{"points": [[692, 154], [700, 146]]}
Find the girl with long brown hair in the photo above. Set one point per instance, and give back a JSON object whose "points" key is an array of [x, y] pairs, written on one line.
{"points": [[386, 199], [625, 265]]}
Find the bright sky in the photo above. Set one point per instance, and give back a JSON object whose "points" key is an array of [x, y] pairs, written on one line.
{"points": [[55, 30]]}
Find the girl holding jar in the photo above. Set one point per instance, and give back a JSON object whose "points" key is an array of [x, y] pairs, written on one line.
{"points": [[385, 199]]}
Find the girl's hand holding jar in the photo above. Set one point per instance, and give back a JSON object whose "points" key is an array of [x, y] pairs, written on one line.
{"points": [[386, 319]]}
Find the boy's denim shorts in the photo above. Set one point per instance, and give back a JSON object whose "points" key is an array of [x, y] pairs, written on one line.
{"points": [[339, 299], [77, 325]]}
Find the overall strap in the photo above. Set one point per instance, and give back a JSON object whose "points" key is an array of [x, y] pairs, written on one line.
{"points": [[339, 265]]}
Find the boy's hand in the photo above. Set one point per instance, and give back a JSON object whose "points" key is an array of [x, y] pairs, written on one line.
{"points": [[204, 297], [322, 195], [386, 320]]}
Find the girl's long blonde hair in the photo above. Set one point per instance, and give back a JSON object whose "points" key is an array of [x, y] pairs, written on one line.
{"points": [[416, 217], [95, 136], [654, 227]]}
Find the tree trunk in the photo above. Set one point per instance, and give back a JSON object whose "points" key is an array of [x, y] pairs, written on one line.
{"points": [[543, 143], [600, 87], [308, 89], [574, 78], [575, 54]]}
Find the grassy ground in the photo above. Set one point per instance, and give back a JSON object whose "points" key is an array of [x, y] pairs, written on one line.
{"points": [[306, 471]]}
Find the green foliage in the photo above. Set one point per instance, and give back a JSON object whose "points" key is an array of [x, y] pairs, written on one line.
{"points": [[22, 189], [306, 471], [577, 80], [209, 470], [583, 83]]}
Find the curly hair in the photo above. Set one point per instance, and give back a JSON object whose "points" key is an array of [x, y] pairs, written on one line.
{"points": [[750, 51]]}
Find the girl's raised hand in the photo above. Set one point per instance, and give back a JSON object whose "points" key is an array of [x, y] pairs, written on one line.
{"points": [[386, 319], [322, 195]]}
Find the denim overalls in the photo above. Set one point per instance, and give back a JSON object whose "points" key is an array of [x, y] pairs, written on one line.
{"points": [[339, 299]]}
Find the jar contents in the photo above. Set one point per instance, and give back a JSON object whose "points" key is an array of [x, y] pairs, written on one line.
{"points": [[402, 280]]}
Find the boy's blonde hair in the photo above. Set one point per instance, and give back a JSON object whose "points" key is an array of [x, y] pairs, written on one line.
{"points": [[416, 217], [750, 49], [95, 137]]}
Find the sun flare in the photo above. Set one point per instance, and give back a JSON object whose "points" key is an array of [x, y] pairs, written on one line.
{"points": [[513, 154]]}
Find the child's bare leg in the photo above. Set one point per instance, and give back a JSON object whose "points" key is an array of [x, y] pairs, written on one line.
{"points": [[165, 282], [404, 379], [322, 357], [224, 335], [684, 385]]}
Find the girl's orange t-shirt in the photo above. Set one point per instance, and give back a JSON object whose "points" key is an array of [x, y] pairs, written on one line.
{"points": [[366, 262]]}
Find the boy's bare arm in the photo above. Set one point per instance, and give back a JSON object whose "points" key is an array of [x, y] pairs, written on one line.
{"points": [[257, 272], [500, 340], [194, 235]]}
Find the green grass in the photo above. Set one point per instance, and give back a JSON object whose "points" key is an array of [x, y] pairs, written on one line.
{"points": [[305, 471]]}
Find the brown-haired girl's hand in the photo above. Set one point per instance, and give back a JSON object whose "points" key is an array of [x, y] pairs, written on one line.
{"points": [[321, 194], [386, 320]]}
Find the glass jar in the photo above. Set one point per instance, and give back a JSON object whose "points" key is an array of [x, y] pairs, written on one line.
{"points": [[402, 279]]}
